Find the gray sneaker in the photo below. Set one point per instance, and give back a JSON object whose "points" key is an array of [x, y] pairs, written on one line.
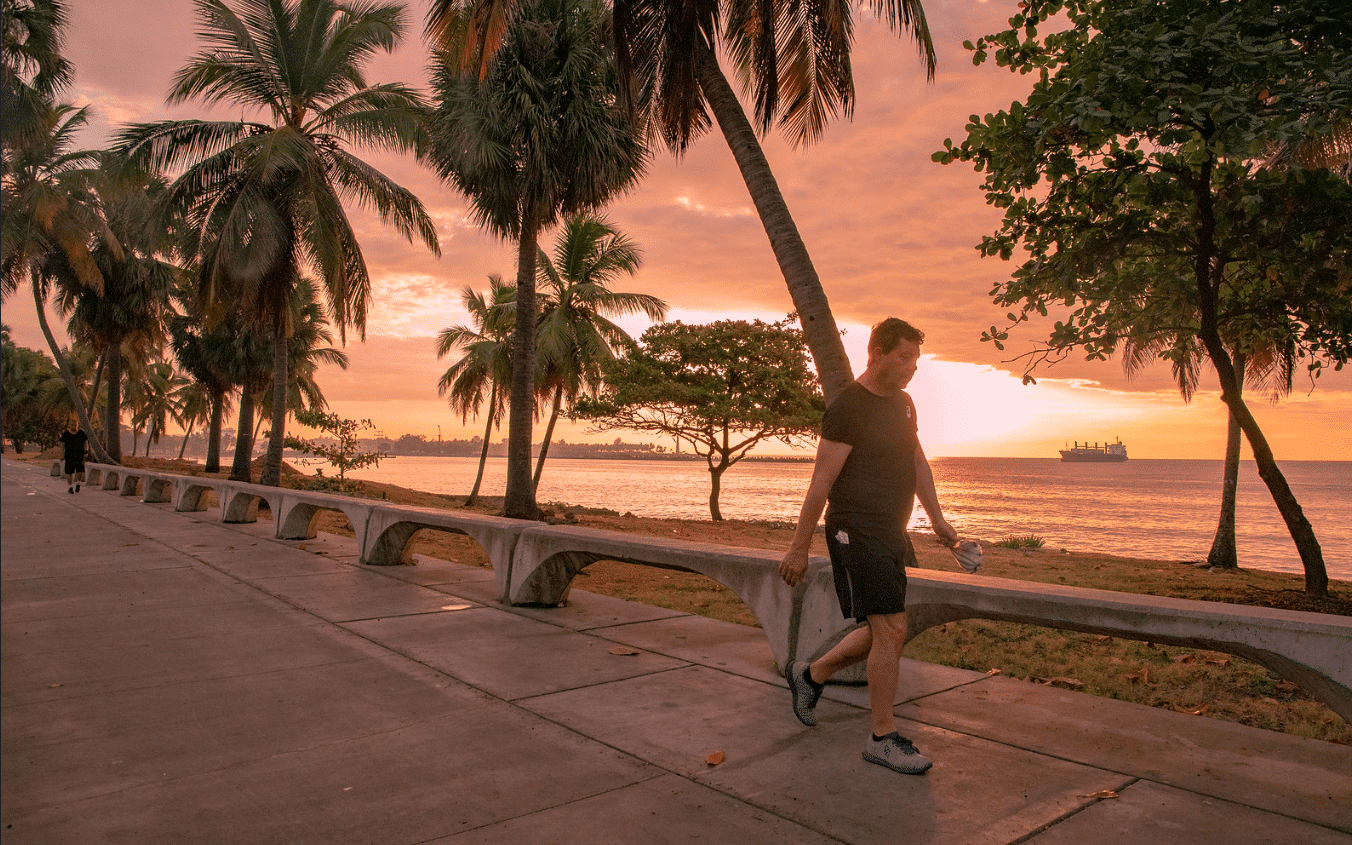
{"points": [[805, 695], [896, 753]]}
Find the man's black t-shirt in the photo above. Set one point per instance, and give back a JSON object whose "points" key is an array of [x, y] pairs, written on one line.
{"points": [[877, 482], [74, 446]]}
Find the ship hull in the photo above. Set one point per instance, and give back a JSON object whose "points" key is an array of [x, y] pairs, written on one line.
{"points": [[1073, 457]]}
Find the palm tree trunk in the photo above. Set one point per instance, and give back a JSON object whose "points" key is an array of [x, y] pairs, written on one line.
{"points": [[112, 413], [1206, 264], [805, 288], [239, 469], [272, 467], [483, 453], [98, 382], [66, 376], [184, 447], [549, 435], [1224, 552], [213, 462], [519, 501]]}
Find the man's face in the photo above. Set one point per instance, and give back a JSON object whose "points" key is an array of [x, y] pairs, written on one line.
{"points": [[72, 426], [898, 366]]}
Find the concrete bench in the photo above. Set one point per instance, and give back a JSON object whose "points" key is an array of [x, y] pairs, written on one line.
{"points": [[535, 563], [1313, 650], [547, 558]]}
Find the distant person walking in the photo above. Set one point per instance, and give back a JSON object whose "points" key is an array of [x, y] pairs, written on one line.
{"points": [[75, 443], [869, 468]]}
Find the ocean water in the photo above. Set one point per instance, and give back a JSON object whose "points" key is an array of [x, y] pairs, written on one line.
{"points": [[1157, 509]]}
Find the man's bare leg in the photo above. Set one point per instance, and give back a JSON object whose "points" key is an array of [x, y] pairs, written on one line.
{"points": [[889, 638], [852, 648]]}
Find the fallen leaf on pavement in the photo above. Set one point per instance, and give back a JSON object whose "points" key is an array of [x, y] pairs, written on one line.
{"points": [[994, 672], [715, 758], [624, 650], [1102, 793]]}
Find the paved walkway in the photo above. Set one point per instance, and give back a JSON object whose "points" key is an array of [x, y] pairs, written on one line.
{"points": [[168, 679]]}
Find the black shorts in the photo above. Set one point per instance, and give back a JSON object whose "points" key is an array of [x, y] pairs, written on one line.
{"points": [[74, 467], [869, 564]]}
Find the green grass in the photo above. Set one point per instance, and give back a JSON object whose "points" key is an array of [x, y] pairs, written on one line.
{"points": [[1028, 541]]}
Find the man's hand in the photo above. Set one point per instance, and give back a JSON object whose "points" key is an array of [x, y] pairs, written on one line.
{"points": [[793, 567], [947, 534]]}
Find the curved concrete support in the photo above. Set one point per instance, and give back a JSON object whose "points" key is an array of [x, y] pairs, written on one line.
{"points": [[298, 511], [390, 530], [158, 489], [547, 558], [188, 492], [238, 506], [110, 479], [58, 465]]}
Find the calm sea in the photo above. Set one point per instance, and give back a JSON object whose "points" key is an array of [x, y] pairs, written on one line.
{"points": [[1153, 509]]}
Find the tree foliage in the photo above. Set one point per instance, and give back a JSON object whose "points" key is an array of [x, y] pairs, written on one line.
{"points": [[344, 453], [722, 388], [537, 134], [1132, 185]]}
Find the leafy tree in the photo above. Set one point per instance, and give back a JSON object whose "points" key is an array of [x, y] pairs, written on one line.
{"points": [[722, 388], [28, 414], [575, 336], [1128, 178], [268, 196], [537, 135], [794, 58], [345, 453], [486, 364]]}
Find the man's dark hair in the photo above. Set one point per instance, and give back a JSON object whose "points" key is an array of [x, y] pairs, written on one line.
{"points": [[887, 334]]}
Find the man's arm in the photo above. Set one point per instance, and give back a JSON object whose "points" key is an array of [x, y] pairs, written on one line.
{"points": [[830, 460], [929, 498]]}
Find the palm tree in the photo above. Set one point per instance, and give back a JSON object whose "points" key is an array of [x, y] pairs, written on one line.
{"points": [[575, 336], [33, 71], [795, 60], [207, 355], [538, 135], [1263, 364], [486, 364], [137, 281], [268, 196], [161, 400], [194, 409], [307, 348], [49, 216]]}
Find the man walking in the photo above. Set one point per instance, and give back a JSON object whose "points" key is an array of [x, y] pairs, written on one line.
{"points": [[870, 468], [74, 443]]}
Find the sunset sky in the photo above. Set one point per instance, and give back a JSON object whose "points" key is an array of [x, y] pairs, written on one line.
{"points": [[891, 233]]}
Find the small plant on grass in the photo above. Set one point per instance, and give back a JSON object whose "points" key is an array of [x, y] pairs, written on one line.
{"points": [[1030, 541], [342, 454]]}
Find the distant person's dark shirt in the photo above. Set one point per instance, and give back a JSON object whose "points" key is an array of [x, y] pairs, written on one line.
{"points": [[74, 445], [877, 482]]}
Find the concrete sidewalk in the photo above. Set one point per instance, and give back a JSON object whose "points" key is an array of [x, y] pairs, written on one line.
{"points": [[168, 679]]}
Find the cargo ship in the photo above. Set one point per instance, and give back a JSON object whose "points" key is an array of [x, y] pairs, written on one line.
{"points": [[1108, 453]]}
